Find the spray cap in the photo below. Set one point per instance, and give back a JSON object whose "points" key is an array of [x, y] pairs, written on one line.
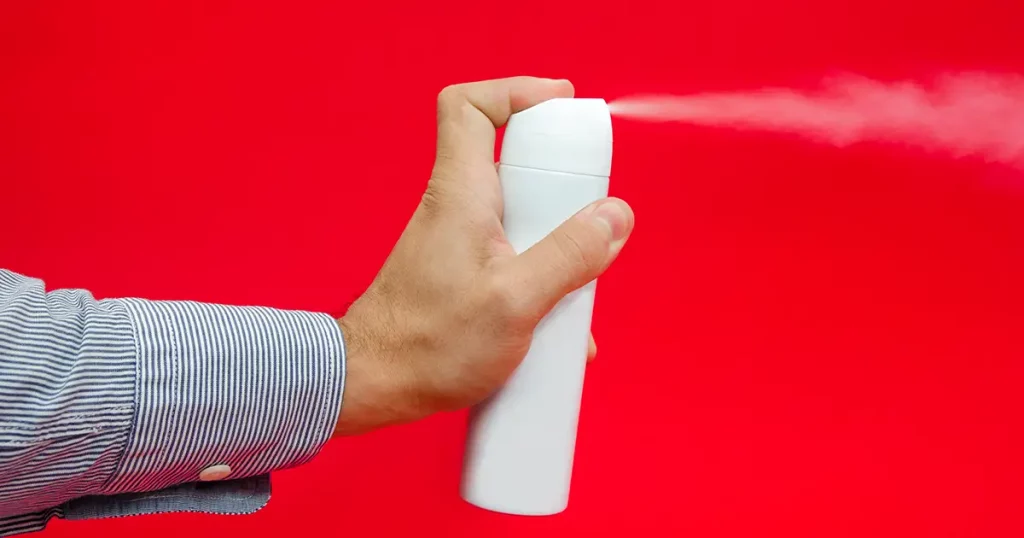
{"points": [[561, 135]]}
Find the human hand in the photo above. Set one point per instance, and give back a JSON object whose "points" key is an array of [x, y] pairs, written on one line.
{"points": [[452, 311]]}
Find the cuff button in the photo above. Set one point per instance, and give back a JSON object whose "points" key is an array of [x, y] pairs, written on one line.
{"points": [[214, 472]]}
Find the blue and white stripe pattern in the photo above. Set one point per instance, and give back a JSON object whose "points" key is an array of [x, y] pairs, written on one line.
{"points": [[99, 398]]}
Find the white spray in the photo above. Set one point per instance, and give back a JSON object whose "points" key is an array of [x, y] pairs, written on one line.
{"points": [[967, 114]]}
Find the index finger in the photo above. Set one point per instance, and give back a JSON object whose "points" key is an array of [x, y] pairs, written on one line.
{"points": [[468, 114]]}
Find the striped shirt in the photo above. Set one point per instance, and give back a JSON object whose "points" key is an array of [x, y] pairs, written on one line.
{"points": [[106, 404]]}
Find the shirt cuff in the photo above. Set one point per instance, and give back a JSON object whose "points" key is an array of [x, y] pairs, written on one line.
{"points": [[250, 388]]}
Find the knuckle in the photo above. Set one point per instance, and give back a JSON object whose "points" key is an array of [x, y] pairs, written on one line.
{"points": [[432, 199], [449, 92], [445, 95], [502, 299], [450, 100]]}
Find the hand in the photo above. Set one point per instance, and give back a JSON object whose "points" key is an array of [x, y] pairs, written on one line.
{"points": [[452, 312]]}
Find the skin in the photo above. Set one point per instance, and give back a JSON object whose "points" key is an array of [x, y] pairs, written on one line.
{"points": [[452, 311]]}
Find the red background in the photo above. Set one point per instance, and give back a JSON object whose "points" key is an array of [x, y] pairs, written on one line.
{"points": [[799, 341]]}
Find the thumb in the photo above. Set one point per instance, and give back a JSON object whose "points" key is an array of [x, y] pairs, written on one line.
{"points": [[574, 254]]}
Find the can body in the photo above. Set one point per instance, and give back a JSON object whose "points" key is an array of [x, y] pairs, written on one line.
{"points": [[519, 451]]}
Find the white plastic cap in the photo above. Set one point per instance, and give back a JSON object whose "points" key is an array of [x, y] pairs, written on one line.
{"points": [[561, 135]]}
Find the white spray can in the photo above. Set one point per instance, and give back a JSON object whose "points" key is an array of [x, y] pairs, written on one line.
{"points": [[555, 160]]}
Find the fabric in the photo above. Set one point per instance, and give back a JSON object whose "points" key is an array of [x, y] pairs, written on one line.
{"points": [[114, 407]]}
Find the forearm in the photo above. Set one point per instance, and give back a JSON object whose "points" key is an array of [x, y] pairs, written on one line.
{"points": [[131, 395]]}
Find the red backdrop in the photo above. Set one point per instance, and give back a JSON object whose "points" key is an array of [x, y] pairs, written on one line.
{"points": [[798, 342]]}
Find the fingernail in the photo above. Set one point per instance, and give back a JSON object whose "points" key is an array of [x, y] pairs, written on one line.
{"points": [[616, 215]]}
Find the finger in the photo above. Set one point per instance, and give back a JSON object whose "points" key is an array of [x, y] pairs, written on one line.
{"points": [[592, 350], [574, 254], [468, 114]]}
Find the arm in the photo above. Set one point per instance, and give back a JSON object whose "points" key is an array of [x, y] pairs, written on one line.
{"points": [[109, 397], [123, 396]]}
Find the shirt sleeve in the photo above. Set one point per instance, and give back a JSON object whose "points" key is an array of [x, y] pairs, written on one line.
{"points": [[121, 396]]}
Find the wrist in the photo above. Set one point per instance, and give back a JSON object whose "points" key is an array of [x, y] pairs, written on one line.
{"points": [[376, 393]]}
